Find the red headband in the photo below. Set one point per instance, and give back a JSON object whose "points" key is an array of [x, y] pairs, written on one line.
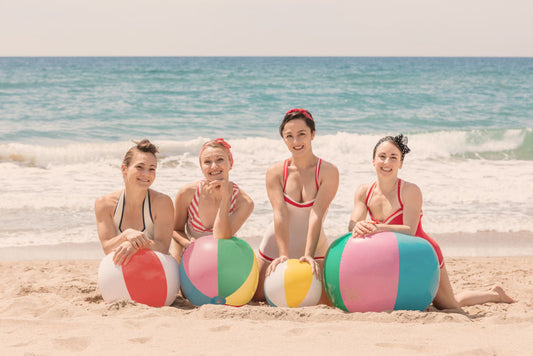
{"points": [[303, 111], [220, 141]]}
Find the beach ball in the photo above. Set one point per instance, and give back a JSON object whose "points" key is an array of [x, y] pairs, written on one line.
{"points": [[293, 285], [150, 278], [219, 271], [384, 271]]}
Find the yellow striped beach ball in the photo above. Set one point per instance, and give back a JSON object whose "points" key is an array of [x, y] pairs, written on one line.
{"points": [[292, 285]]}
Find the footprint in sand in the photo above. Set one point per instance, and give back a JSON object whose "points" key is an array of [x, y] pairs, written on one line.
{"points": [[141, 340], [72, 343], [221, 328]]}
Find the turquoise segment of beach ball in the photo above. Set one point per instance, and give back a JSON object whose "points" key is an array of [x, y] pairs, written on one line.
{"points": [[332, 263], [419, 273], [218, 300], [270, 301], [191, 292]]}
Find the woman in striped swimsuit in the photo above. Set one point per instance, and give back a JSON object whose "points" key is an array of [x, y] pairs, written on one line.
{"points": [[135, 217], [211, 206], [395, 205], [300, 190]]}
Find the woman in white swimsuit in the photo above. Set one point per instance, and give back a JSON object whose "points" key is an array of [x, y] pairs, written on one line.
{"points": [[300, 190], [211, 206], [137, 216]]}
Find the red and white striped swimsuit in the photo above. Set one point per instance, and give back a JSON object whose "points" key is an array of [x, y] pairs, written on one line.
{"points": [[194, 227], [298, 226]]}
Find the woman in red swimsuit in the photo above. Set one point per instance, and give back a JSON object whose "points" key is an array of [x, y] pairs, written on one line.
{"points": [[395, 205]]}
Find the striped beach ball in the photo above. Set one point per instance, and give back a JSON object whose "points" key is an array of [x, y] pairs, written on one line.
{"points": [[219, 271], [150, 278], [293, 285], [385, 271]]}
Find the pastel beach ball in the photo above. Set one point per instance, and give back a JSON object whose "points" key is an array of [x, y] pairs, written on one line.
{"points": [[150, 278], [385, 271], [219, 271], [293, 285]]}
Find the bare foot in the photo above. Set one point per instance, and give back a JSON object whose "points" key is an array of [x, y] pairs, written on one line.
{"points": [[504, 298]]}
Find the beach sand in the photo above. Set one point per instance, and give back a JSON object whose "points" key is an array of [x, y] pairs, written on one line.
{"points": [[54, 307]]}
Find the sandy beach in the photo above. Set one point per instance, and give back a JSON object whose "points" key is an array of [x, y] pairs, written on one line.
{"points": [[54, 307]]}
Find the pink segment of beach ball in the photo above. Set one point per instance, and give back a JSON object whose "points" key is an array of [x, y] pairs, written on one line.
{"points": [[369, 282], [201, 264]]}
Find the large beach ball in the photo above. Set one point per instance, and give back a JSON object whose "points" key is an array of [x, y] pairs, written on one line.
{"points": [[385, 271], [219, 271], [150, 278], [293, 285]]}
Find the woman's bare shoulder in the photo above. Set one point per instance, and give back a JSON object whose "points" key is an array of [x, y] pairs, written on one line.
{"points": [[362, 191], [409, 187], [328, 167], [158, 196], [188, 189], [275, 170], [106, 202]]}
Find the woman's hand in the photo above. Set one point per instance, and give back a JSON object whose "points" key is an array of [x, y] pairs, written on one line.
{"points": [[315, 268], [364, 228], [123, 253], [137, 238], [272, 267], [191, 240], [220, 189]]}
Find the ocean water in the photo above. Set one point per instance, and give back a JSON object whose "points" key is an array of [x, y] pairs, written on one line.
{"points": [[65, 124]]}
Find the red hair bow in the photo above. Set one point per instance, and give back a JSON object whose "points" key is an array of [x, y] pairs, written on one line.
{"points": [[224, 144], [303, 111]]}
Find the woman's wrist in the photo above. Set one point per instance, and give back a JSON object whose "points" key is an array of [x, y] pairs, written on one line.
{"points": [[378, 227]]}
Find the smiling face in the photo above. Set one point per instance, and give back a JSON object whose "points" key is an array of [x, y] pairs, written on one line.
{"points": [[215, 163], [141, 170], [388, 159], [297, 136]]}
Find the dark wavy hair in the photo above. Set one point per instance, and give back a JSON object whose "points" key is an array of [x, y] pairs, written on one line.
{"points": [[399, 141], [297, 114], [142, 146]]}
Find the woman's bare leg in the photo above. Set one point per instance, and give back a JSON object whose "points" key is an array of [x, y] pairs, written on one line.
{"points": [[495, 295], [324, 298], [445, 298], [259, 295], [175, 250]]}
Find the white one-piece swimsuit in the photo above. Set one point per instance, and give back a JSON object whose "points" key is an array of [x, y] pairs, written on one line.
{"points": [[148, 222], [298, 227]]}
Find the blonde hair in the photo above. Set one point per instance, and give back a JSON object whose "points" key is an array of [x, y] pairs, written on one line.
{"points": [[218, 143]]}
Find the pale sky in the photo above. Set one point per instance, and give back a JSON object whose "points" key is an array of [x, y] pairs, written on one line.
{"points": [[266, 28]]}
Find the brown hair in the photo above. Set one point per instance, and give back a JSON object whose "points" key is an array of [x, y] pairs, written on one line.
{"points": [[297, 114], [400, 141], [142, 146]]}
